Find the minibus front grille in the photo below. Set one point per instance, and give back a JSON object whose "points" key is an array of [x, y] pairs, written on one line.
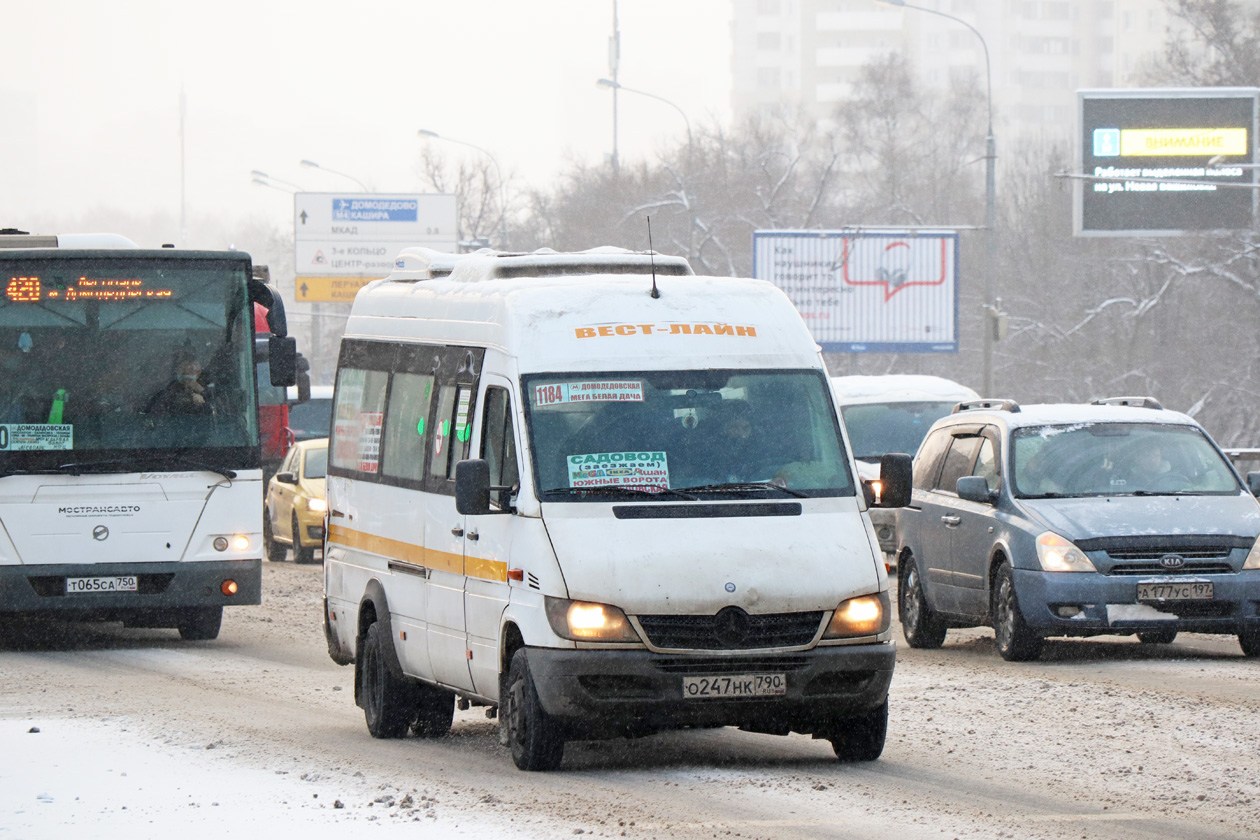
{"points": [[731, 629], [706, 665]]}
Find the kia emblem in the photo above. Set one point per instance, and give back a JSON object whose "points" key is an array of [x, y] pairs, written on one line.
{"points": [[1172, 561]]}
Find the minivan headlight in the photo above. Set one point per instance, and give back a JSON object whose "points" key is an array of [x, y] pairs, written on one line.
{"points": [[1253, 557], [866, 615], [586, 621], [1057, 554]]}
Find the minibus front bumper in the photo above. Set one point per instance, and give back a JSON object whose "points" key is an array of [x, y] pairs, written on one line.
{"points": [[601, 693]]}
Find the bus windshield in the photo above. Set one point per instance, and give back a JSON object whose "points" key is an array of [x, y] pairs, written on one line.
{"points": [[694, 432], [110, 354]]}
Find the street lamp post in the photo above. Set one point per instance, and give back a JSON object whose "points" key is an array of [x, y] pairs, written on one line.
{"points": [[310, 164], [990, 159], [262, 178], [498, 173], [615, 86]]}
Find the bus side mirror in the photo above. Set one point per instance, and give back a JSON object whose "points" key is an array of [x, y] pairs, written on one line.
{"points": [[894, 476], [282, 354], [1253, 483], [472, 487]]}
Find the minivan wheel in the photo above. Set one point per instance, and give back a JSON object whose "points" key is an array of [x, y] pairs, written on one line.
{"points": [[1016, 642], [389, 703], [1250, 643], [535, 738], [1157, 637], [922, 627], [862, 738]]}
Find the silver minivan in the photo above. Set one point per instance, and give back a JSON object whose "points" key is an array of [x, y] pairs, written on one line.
{"points": [[1113, 518]]}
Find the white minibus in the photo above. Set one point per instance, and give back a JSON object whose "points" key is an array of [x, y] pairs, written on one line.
{"points": [[602, 497]]}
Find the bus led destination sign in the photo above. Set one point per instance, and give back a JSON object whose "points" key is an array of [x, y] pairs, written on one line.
{"points": [[34, 289]]}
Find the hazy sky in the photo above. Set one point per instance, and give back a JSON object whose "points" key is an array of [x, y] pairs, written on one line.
{"points": [[90, 93]]}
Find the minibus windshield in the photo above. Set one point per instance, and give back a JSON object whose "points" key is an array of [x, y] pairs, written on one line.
{"points": [[643, 434]]}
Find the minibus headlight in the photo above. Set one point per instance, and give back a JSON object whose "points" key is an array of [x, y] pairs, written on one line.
{"points": [[866, 615], [1253, 557], [1057, 554], [316, 504], [585, 621]]}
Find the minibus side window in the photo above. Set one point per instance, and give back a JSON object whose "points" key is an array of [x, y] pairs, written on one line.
{"points": [[407, 426], [452, 428], [357, 419], [498, 445]]}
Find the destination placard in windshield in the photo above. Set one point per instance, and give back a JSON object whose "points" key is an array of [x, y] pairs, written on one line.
{"points": [[35, 289]]}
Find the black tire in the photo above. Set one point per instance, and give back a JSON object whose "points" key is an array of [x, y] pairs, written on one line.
{"points": [[1250, 643], [536, 740], [1016, 642], [301, 553], [389, 703], [275, 551], [1157, 637], [435, 710], [921, 626], [862, 738], [200, 624]]}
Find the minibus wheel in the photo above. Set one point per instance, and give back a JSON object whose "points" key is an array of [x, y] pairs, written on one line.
{"points": [[862, 738], [1250, 643], [535, 738], [389, 703]]}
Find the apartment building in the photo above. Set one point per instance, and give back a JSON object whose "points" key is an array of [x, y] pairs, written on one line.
{"points": [[808, 53]]}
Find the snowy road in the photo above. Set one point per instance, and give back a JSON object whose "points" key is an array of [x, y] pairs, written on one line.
{"points": [[143, 735]]}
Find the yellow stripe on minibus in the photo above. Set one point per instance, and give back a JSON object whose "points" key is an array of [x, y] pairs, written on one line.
{"points": [[418, 555]]}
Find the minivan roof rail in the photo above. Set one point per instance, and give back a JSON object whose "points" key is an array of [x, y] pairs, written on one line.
{"points": [[993, 405], [1135, 402]]}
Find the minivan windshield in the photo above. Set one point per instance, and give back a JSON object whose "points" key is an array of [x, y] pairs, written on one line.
{"points": [[1111, 459], [876, 429], [684, 433]]}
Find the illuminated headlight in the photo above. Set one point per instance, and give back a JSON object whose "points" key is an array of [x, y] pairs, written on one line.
{"points": [[240, 542], [316, 504], [866, 615], [1253, 557], [584, 621], [220, 543], [1057, 554]]}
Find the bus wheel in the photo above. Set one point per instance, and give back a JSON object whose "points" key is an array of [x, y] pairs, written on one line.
{"points": [[200, 624], [301, 553], [535, 738], [389, 703]]}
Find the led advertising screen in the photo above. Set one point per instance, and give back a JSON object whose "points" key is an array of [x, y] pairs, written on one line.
{"points": [[1166, 162]]}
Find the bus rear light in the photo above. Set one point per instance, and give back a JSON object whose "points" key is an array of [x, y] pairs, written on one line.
{"points": [[228, 587]]}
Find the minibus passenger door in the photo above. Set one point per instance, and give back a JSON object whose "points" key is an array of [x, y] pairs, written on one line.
{"points": [[489, 537], [444, 537]]}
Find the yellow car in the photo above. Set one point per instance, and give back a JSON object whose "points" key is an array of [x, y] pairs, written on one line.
{"points": [[293, 511]]}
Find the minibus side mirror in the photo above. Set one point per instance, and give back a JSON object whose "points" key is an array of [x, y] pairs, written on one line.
{"points": [[894, 478], [975, 488], [472, 487]]}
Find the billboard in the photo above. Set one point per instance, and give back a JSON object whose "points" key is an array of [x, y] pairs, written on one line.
{"points": [[868, 291], [1165, 161]]}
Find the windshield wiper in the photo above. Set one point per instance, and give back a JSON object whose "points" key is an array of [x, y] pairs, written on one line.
{"points": [[736, 486], [613, 488], [108, 465]]}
